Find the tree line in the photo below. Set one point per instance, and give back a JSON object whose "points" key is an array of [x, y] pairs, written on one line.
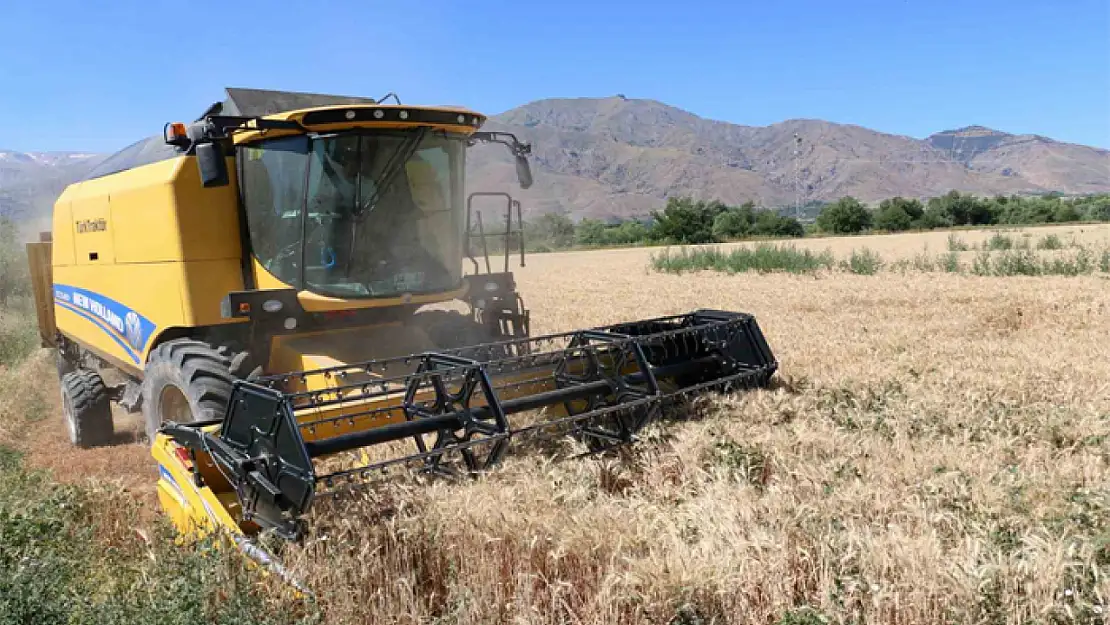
{"points": [[685, 220]]}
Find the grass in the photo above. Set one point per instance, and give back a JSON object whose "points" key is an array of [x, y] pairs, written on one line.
{"points": [[75, 553], [1000, 257], [18, 334], [763, 258], [1050, 242], [935, 451]]}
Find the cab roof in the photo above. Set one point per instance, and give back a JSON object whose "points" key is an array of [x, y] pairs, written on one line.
{"points": [[239, 102]]}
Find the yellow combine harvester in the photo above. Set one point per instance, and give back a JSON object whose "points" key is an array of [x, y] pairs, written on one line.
{"points": [[260, 278]]}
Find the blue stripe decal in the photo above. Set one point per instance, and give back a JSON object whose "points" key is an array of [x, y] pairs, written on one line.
{"points": [[128, 328], [166, 475]]}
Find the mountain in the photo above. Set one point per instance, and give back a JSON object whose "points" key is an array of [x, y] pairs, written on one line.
{"points": [[615, 157], [31, 181], [1049, 164], [620, 157]]}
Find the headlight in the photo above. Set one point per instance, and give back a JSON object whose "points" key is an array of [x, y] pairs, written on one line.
{"points": [[491, 287]]}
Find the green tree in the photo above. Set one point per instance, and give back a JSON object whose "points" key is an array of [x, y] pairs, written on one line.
{"points": [[685, 220], [1098, 208], [769, 223], [591, 232], [1067, 212], [551, 231], [629, 232], [735, 223], [898, 213], [845, 216]]}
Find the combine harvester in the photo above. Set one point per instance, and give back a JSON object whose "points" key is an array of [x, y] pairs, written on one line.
{"points": [[258, 283]]}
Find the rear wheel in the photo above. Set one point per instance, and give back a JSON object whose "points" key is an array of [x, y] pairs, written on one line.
{"points": [[86, 408], [185, 381]]}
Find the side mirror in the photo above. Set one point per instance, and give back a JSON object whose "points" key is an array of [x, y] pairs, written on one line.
{"points": [[211, 164], [523, 172]]}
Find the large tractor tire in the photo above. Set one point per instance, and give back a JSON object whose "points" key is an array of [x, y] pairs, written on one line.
{"points": [[87, 408], [185, 381]]}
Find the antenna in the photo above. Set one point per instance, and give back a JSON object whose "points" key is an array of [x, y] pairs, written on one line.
{"points": [[797, 176]]}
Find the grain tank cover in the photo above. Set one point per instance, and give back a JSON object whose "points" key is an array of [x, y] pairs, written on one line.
{"points": [[261, 102]]}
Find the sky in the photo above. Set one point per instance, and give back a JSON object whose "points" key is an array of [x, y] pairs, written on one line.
{"points": [[76, 76]]}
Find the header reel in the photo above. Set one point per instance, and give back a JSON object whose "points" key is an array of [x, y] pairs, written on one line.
{"points": [[457, 411]]}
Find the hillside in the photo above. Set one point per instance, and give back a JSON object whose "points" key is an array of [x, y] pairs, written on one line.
{"points": [[619, 157], [31, 181]]}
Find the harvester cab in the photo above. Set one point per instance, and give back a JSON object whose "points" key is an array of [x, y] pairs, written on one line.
{"points": [[260, 280]]}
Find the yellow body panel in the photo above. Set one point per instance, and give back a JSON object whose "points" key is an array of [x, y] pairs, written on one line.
{"points": [[196, 511], [167, 251], [310, 351], [62, 238]]}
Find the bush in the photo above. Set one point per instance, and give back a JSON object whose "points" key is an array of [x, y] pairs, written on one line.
{"points": [[18, 336], [950, 262], [15, 280], [863, 262], [998, 242], [1050, 242], [764, 258], [845, 216], [956, 244]]}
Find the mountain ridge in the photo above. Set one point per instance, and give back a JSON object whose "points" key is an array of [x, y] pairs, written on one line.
{"points": [[617, 157]]}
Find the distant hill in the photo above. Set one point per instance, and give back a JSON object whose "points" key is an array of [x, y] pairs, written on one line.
{"points": [[31, 181], [619, 157]]}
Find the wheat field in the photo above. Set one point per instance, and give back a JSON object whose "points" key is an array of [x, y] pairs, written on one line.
{"points": [[936, 449]]}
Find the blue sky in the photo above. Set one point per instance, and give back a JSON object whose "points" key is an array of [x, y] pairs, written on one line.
{"points": [[76, 76]]}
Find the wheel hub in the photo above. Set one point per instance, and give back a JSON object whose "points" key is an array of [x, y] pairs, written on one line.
{"points": [[174, 406]]}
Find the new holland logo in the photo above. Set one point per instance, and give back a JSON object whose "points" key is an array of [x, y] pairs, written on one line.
{"points": [[133, 330], [92, 225]]}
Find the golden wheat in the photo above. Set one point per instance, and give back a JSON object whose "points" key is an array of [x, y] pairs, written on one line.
{"points": [[936, 450]]}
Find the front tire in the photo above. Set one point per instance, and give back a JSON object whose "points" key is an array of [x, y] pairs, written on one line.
{"points": [[185, 381], [86, 408]]}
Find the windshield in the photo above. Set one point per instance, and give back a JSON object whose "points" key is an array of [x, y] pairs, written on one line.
{"points": [[357, 214]]}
